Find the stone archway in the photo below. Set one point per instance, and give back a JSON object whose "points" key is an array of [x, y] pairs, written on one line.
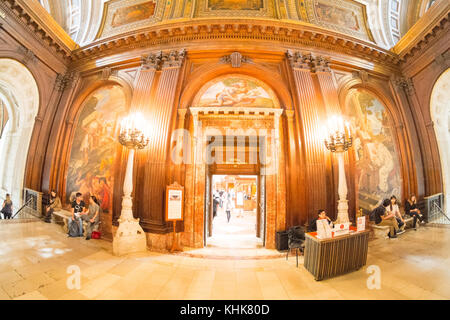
{"points": [[440, 114], [20, 96]]}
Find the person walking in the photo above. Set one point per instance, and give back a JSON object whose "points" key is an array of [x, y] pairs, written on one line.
{"points": [[7, 207], [228, 207]]}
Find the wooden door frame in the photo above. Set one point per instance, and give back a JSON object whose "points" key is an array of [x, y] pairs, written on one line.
{"points": [[234, 170]]}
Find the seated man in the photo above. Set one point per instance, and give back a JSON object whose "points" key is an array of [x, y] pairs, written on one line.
{"points": [[321, 215], [91, 216], [383, 218], [55, 205], [78, 207]]}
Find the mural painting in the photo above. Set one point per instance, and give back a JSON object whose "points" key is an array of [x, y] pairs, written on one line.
{"points": [[237, 92], [378, 172], [336, 15], [92, 156], [235, 4], [138, 12]]}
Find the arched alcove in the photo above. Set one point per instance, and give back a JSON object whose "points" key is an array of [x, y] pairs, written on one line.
{"points": [[440, 114], [378, 172], [92, 153], [20, 100]]}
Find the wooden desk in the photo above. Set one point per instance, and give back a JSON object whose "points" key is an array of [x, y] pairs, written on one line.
{"points": [[328, 258]]}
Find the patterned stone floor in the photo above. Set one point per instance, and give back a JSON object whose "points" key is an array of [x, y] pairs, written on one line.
{"points": [[35, 257]]}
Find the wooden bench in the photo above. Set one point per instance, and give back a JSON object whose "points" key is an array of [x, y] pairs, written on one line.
{"points": [[62, 217]]}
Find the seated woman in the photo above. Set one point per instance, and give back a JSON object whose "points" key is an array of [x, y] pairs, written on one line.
{"points": [[91, 216], [7, 208], [382, 217], [321, 214], [395, 210], [55, 205], [412, 210], [75, 222]]}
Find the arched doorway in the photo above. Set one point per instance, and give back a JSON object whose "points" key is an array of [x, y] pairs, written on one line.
{"points": [[19, 96], [237, 134], [91, 168], [440, 114]]}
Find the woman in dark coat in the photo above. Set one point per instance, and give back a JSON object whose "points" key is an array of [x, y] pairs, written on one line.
{"points": [[412, 210], [7, 207]]}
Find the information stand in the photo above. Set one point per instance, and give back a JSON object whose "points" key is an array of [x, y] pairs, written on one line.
{"points": [[174, 210]]}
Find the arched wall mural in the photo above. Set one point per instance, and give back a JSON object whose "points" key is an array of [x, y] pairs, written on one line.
{"points": [[377, 161], [440, 114], [236, 90], [19, 96], [93, 150]]}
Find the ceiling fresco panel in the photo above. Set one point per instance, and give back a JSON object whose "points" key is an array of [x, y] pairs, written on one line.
{"points": [[343, 16], [121, 16]]}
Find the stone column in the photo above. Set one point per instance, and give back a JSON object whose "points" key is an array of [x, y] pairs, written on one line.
{"points": [[311, 135]]}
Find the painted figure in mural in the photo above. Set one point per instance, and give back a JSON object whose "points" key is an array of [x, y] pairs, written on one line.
{"points": [[236, 92], [235, 4], [93, 149], [134, 13], [377, 173], [338, 16]]}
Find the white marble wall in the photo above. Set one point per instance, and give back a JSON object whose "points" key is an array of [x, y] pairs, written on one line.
{"points": [[440, 112], [19, 92]]}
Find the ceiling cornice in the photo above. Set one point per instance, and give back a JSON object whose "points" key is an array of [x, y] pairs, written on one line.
{"points": [[429, 26], [33, 16], [296, 34]]}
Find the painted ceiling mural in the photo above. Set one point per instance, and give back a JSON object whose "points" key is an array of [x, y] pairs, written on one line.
{"points": [[236, 91], [92, 156], [378, 171], [345, 16]]}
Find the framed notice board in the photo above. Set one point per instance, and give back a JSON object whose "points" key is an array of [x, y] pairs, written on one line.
{"points": [[174, 202]]}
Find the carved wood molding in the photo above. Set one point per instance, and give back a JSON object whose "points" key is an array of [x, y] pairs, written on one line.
{"points": [[163, 60], [31, 16], [292, 34], [422, 34], [308, 61]]}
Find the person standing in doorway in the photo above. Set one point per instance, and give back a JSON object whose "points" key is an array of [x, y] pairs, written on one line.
{"points": [[228, 207], [7, 207]]}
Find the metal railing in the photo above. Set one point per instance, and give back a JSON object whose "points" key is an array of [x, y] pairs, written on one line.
{"points": [[435, 213], [31, 210]]}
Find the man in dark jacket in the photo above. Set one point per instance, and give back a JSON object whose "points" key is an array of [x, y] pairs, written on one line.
{"points": [[382, 219]]}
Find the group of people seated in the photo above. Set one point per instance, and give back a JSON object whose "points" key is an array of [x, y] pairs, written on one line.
{"points": [[80, 212], [388, 214]]}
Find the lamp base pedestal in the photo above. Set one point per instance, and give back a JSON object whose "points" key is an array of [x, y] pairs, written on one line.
{"points": [[342, 212], [129, 238]]}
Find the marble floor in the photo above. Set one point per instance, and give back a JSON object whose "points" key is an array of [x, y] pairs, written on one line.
{"points": [[35, 259]]}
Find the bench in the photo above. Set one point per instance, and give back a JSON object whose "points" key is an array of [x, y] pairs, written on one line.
{"points": [[62, 217], [383, 231]]}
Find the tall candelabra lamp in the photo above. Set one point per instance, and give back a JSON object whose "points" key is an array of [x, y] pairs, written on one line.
{"points": [[339, 140], [130, 236]]}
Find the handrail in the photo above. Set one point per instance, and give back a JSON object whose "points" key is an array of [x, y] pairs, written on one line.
{"points": [[440, 210], [23, 207]]}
